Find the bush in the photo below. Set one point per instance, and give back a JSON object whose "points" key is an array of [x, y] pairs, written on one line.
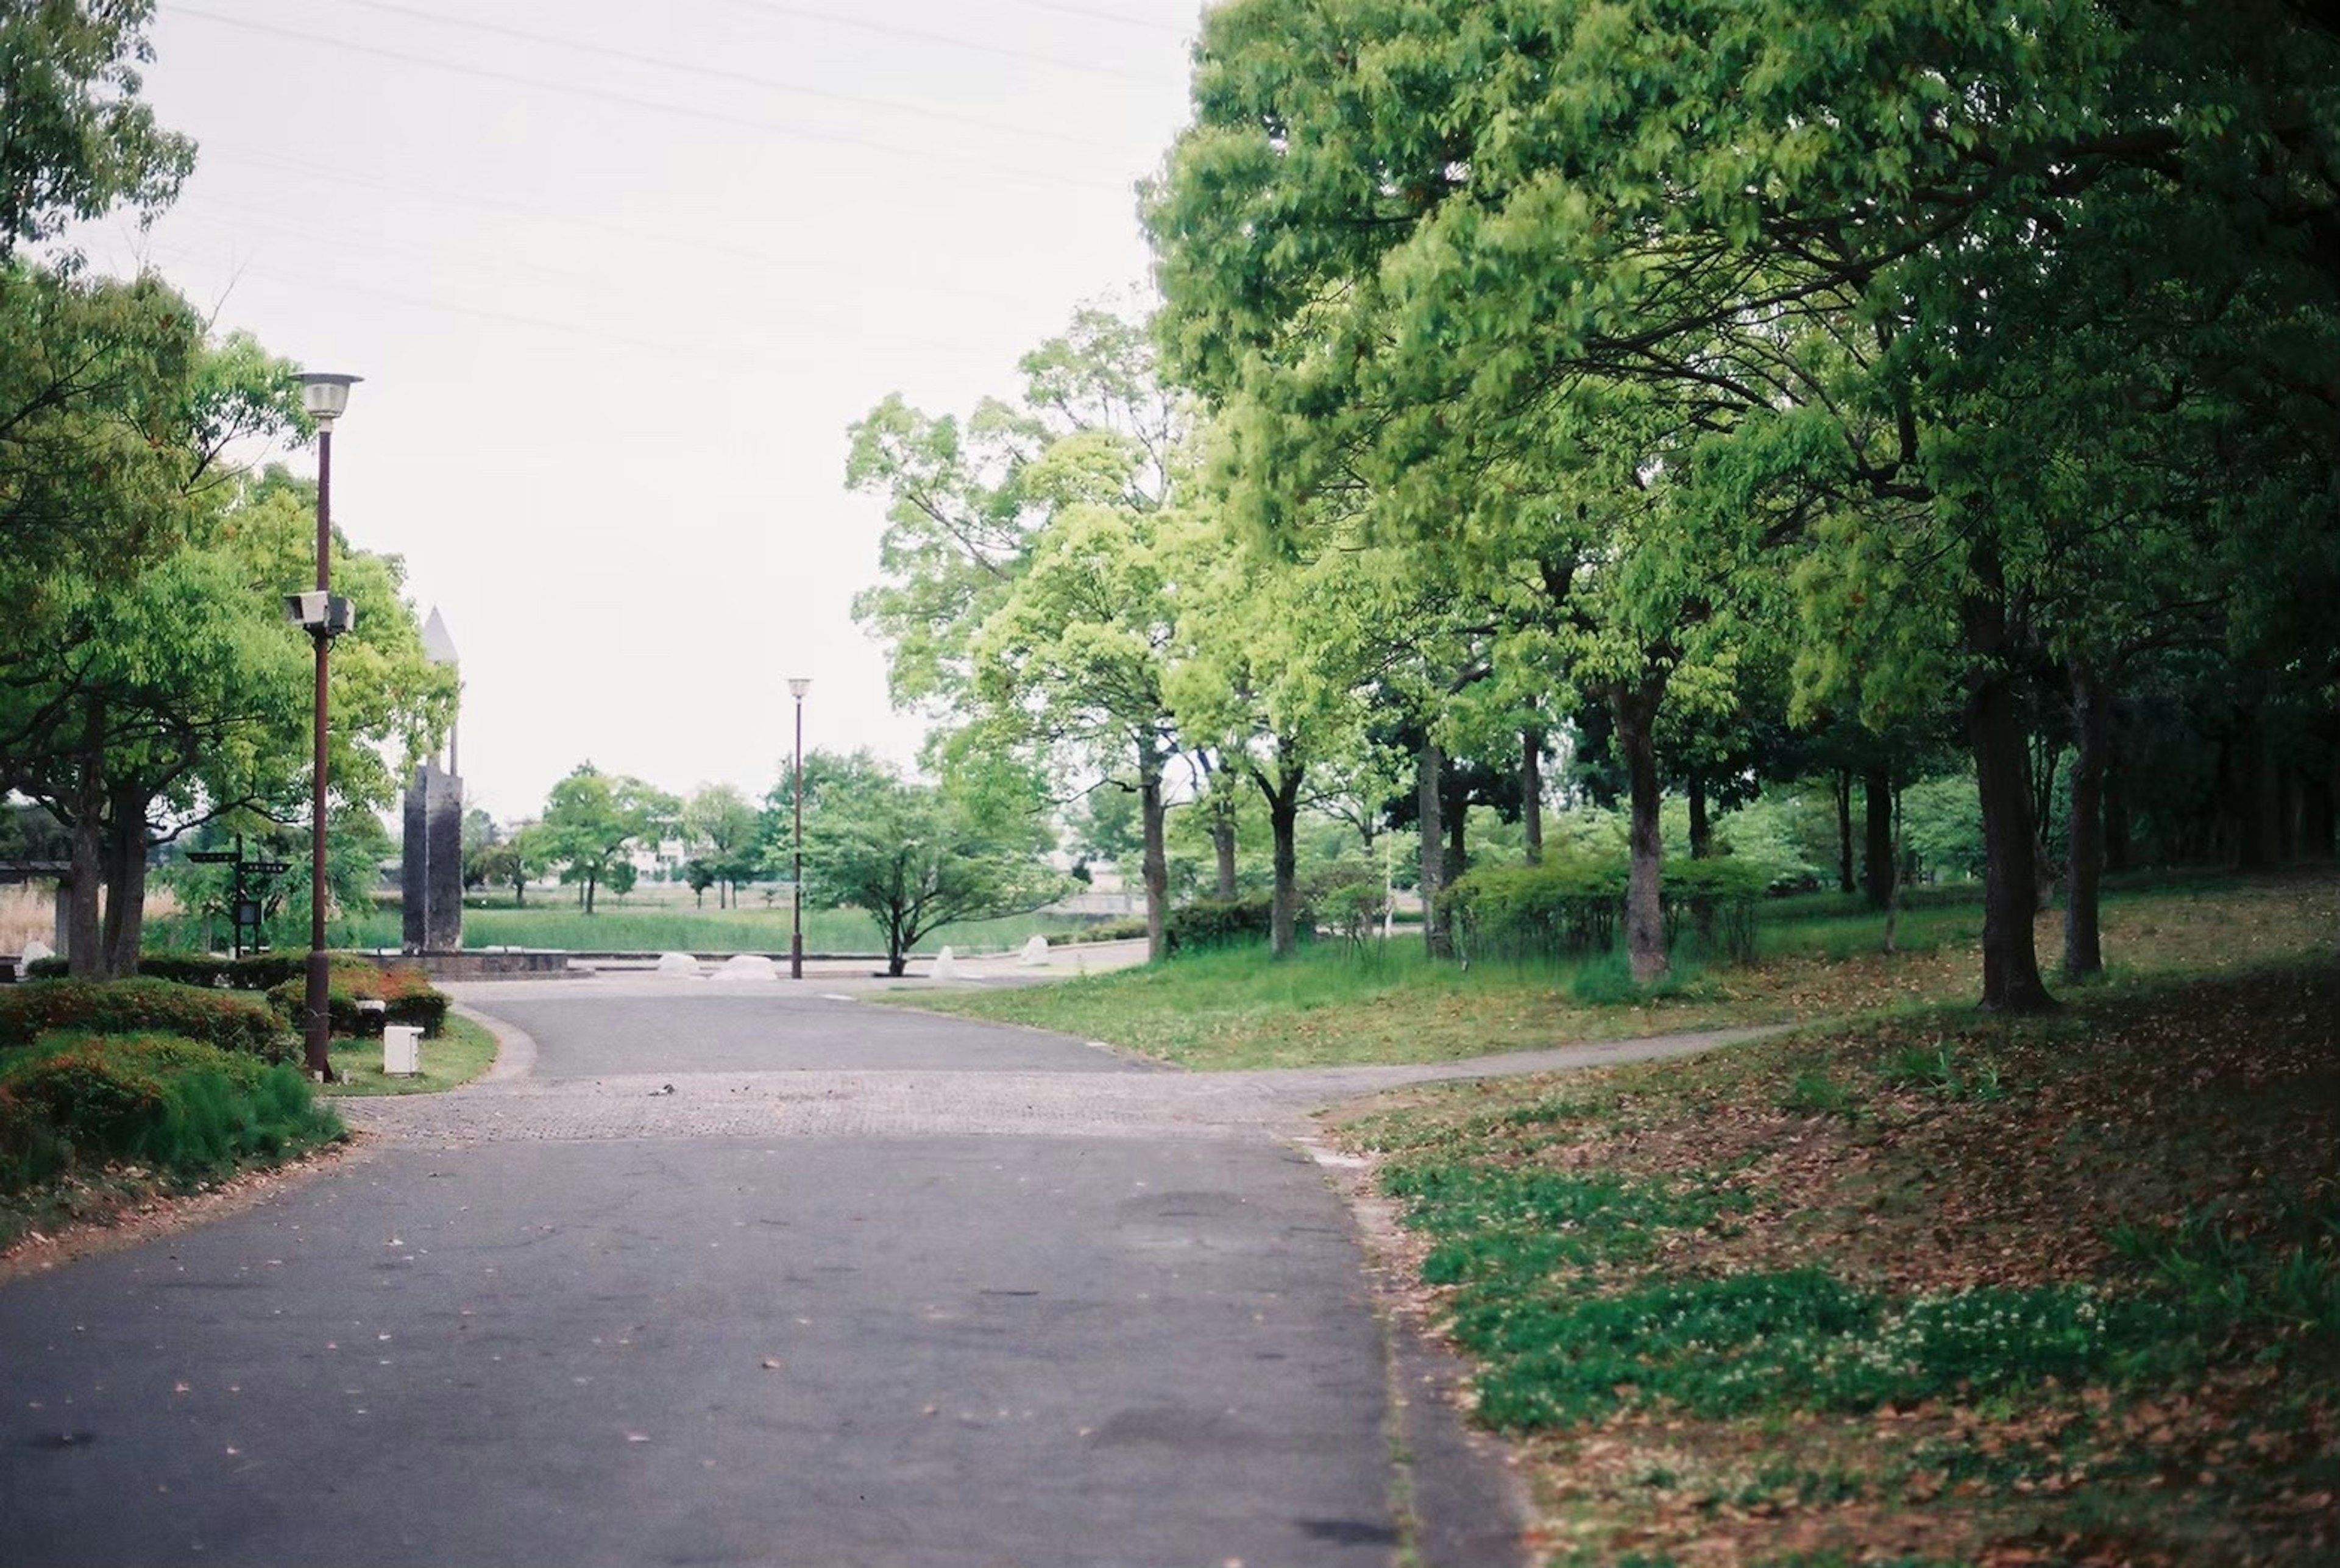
{"points": [[1571, 905], [174, 1104], [255, 972], [1353, 909], [1220, 923], [231, 1022], [406, 993]]}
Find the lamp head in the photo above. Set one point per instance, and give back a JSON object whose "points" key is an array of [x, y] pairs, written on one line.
{"points": [[799, 686], [324, 396]]}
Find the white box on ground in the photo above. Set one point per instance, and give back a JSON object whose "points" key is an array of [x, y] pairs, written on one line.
{"points": [[401, 1050]]}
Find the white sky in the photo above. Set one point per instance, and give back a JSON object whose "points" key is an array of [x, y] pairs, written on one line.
{"points": [[612, 350]]}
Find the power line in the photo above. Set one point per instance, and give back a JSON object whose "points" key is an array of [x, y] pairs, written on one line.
{"points": [[714, 73], [712, 115], [895, 30], [486, 204], [304, 279], [1145, 22]]}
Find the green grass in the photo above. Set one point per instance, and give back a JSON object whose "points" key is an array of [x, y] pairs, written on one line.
{"points": [[461, 1053], [1329, 1003], [655, 927], [1235, 1009]]}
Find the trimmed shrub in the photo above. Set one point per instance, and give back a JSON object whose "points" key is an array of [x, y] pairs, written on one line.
{"points": [[255, 972], [142, 1005], [174, 1104], [1220, 923], [406, 993]]}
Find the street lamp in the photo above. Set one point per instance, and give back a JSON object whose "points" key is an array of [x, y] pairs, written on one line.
{"points": [[323, 616], [798, 687]]}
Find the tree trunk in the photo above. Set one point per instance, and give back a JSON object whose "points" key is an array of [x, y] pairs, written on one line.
{"points": [[591, 879], [1701, 828], [2254, 803], [1877, 833], [1284, 822], [1645, 925], [85, 955], [1844, 830], [2010, 958], [1430, 799], [126, 887], [2091, 711], [1458, 843], [1156, 861], [1531, 793], [1222, 851]]}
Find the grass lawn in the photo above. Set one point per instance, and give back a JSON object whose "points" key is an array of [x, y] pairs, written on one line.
{"points": [[461, 1053], [646, 926], [1925, 1288], [1389, 1003]]}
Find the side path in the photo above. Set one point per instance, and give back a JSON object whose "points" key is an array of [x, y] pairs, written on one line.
{"points": [[1020, 1301]]}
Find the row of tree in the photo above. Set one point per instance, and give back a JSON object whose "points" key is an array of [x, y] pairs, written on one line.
{"points": [[1734, 392], [915, 856], [150, 685]]}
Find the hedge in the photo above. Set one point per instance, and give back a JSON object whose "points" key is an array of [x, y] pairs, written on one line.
{"points": [[142, 1005], [1570, 905], [174, 1104], [253, 972], [1221, 923], [407, 995]]}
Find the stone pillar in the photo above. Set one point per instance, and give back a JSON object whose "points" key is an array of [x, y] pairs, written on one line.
{"points": [[432, 874]]}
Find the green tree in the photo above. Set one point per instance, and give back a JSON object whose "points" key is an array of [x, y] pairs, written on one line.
{"points": [[720, 824], [914, 857], [591, 822]]}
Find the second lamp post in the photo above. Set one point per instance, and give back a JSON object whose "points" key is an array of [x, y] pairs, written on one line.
{"points": [[798, 687]]}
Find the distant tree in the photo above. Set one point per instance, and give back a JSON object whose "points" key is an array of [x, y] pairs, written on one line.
{"points": [[592, 820], [720, 823], [917, 859]]}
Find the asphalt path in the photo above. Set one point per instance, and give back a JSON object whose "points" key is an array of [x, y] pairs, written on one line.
{"points": [[535, 1334]]}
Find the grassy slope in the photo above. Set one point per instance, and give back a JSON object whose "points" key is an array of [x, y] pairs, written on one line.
{"points": [[1928, 1288], [1235, 1009]]}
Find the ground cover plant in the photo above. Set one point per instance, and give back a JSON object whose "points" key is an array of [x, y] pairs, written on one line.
{"points": [[91, 1124], [1928, 1287], [1334, 1002]]}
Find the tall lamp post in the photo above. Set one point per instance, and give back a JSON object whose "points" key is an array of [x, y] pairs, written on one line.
{"points": [[324, 616], [798, 687]]}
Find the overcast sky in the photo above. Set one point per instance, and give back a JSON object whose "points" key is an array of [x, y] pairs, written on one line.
{"points": [[617, 302]]}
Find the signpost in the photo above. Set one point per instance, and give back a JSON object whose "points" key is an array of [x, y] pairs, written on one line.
{"points": [[243, 907]]}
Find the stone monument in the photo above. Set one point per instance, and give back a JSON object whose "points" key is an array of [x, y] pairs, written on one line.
{"points": [[432, 879]]}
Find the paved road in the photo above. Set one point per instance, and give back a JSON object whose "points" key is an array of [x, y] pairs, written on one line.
{"points": [[865, 1288]]}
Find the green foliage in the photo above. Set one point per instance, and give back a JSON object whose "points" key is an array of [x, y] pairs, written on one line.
{"points": [[1567, 908], [231, 1022], [1206, 924], [917, 858], [76, 139], [406, 994], [590, 822], [2285, 1278], [1942, 1070], [182, 1107]]}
